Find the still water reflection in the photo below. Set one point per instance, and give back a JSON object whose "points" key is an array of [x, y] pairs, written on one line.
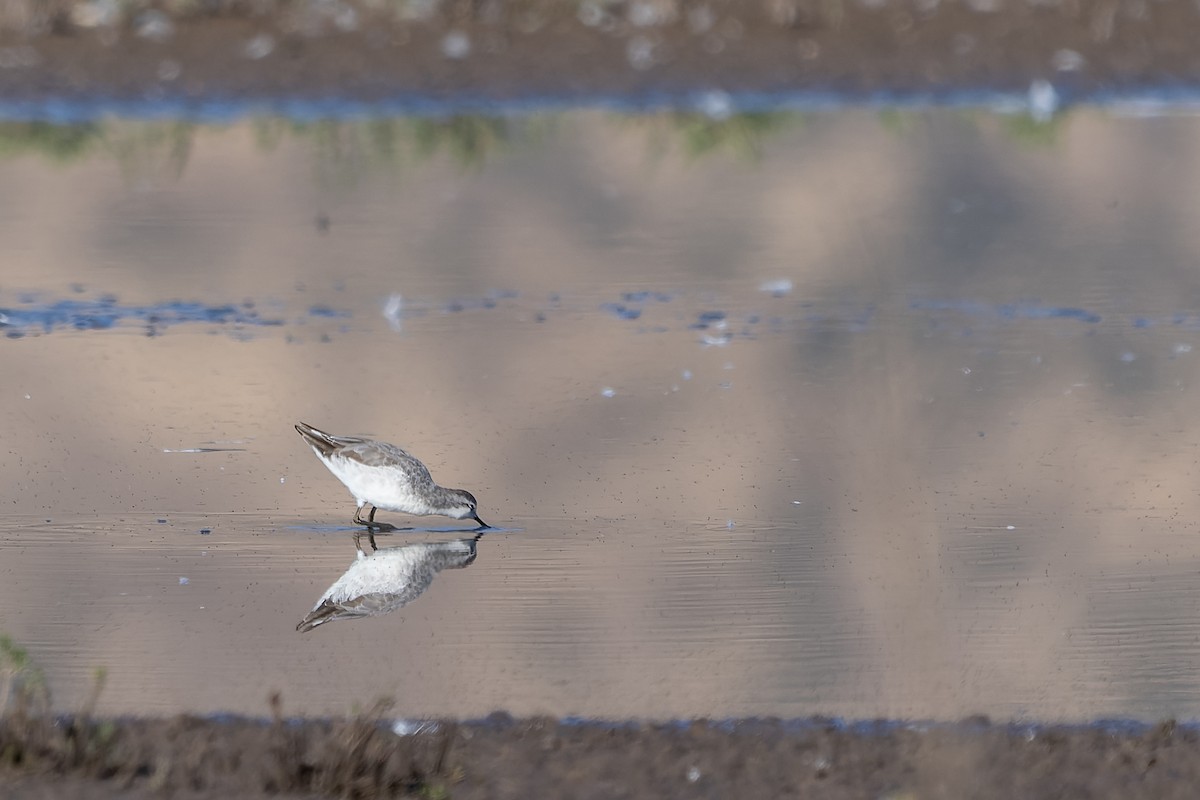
{"points": [[386, 580], [846, 415]]}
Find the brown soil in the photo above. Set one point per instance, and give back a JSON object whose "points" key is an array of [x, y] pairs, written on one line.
{"points": [[504, 758], [527, 49]]}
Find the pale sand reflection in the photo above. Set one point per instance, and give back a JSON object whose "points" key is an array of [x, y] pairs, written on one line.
{"points": [[387, 580], [934, 513]]}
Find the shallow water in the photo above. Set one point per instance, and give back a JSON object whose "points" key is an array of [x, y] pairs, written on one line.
{"points": [[841, 414]]}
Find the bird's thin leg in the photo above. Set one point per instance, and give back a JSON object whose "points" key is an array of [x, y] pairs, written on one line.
{"points": [[370, 520], [371, 539], [358, 543]]}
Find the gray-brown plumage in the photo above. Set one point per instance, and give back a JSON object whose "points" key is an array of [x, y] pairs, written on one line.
{"points": [[382, 475]]}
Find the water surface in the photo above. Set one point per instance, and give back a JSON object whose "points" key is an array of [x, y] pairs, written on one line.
{"points": [[795, 414]]}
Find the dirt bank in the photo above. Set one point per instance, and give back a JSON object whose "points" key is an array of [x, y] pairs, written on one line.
{"points": [[505, 758], [493, 50]]}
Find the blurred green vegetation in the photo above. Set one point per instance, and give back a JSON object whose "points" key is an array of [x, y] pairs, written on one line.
{"points": [[1023, 129], [698, 135], [23, 687], [59, 144], [345, 151]]}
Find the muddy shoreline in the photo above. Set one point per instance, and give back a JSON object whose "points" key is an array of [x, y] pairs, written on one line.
{"points": [[501, 757], [486, 54]]}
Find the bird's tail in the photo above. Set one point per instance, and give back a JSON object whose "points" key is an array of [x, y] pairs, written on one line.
{"points": [[326, 612]]}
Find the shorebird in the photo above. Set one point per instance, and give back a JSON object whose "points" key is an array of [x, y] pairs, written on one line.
{"points": [[382, 475], [385, 580]]}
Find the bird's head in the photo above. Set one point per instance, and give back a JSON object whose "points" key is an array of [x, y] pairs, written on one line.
{"points": [[466, 507]]}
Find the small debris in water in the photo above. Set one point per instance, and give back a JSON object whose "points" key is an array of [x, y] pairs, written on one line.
{"points": [[411, 727], [161, 521], [686, 374], [621, 311], [719, 340], [205, 531], [1043, 100], [1067, 61], [693, 774], [392, 311], [730, 524], [183, 581], [706, 318], [608, 391], [776, 288], [716, 105], [1128, 358]]}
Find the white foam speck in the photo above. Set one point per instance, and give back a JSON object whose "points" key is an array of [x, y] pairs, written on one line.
{"points": [[777, 287], [393, 310]]}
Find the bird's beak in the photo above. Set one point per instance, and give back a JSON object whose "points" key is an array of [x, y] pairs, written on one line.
{"points": [[482, 524]]}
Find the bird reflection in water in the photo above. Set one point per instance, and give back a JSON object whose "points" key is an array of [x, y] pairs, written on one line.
{"points": [[383, 581]]}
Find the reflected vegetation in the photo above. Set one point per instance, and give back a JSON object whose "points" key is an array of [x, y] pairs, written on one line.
{"points": [[699, 135], [386, 580], [346, 151]]}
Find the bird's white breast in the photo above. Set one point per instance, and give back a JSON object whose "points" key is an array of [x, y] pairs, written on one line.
{"points": [[386, 487]]}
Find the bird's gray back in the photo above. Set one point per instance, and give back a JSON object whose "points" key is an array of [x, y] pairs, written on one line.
{"points": [[381, 454]]}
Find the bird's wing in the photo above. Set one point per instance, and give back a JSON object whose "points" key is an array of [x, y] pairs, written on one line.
{"points": [[382, 454]]}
